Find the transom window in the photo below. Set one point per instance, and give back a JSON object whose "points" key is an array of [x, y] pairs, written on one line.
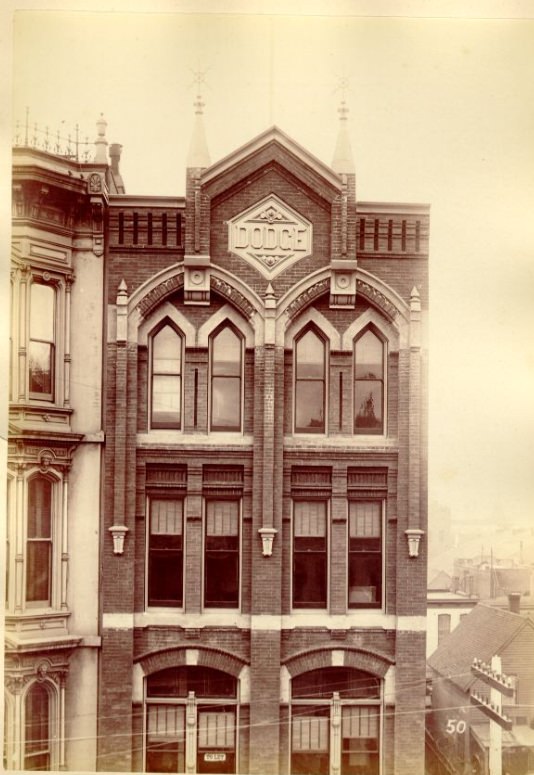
{"points": [[41, 353], [167, 346], [39, 542], [226, 349], [369, 384], [310, 391]]}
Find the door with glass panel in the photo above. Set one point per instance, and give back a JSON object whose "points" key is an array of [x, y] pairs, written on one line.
{"points": [[335, 722], [191, 721]]}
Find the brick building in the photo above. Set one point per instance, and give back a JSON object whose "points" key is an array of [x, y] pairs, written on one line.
{"points": [[262, 554]]}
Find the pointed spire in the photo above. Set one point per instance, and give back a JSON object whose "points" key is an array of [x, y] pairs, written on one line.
{"points": [[343, 163], [101, 153], [198, 155]]}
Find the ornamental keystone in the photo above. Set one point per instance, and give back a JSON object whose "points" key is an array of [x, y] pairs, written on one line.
{"points": [[270, 235]]}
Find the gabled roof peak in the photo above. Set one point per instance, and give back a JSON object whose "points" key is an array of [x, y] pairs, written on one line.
{"points": [[271, 135]]}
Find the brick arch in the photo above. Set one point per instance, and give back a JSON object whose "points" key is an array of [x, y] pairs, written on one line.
{"points": [[333, 656], [193, 657]]}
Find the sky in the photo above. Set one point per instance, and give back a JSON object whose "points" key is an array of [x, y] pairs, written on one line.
{"points": [[441, 112]]}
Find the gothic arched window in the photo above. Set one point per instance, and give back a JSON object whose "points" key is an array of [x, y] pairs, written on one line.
{"points": [[310, 383], [166, 401], [369, 383]]}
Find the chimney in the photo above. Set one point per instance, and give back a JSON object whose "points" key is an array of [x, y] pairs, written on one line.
{"points": [[115, 156], [514, 602]]}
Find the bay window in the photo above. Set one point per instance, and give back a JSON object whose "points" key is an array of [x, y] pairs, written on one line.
{"points": [[39, 542], [41, 352]]}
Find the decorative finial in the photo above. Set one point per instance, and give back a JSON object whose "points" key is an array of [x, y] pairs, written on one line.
{"points": [[198, 156], [343, 162], [101, 156]]}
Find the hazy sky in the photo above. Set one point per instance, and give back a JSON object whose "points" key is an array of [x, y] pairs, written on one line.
{"points": [[441, 111]]}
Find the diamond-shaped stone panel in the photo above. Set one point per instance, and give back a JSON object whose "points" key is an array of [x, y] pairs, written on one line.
{"points": [[270, 235]]}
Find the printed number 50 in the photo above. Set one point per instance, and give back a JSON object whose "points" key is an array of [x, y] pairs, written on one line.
{"points": [[455, 726]]}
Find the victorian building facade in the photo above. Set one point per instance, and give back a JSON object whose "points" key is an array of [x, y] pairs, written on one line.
{"points": [[247, 372]]}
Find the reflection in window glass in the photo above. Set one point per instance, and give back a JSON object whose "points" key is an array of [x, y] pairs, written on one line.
{"points": [[310, 384], [226, 367], [41, 346], [369, 384], [166, 379]]}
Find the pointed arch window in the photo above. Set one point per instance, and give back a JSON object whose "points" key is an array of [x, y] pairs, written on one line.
{"points": [[39, 542], [226, 352], [369, 358], [310, 383], [37, 729], [166, 409], [42, 341]]}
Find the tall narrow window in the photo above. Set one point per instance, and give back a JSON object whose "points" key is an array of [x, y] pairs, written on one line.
{"points": [[309, 554], [42, 341], [310, 358], [166, 378], [365, 554], [359, 730], [165, 552], [369, 384], [444, 626], [226, 377], [37, 729], [39, 542], [221, 561]]}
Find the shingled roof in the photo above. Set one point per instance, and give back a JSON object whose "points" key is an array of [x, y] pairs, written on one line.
{"points": [[484, 632]]}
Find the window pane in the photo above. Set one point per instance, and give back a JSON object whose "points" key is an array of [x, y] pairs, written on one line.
{"points": [[309, 406], [222, 579], [216, 729], [309, 518], [226, 403], [167, 352], [165, 557], [365, 579], [350, 683], [38, 561], [226, 353], [165, 738], [310, 357], [368, 402], [364, 519], [39, 508], [310, 740], [40, 367], [222, 518], [37, 732], [369, 357], [204, 681], [42, 312], [166, 401], [309, 579]]}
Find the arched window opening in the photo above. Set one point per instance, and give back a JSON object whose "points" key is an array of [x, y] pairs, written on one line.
{"points": [[37, 729], [41, 353], [167, 347], [208, 699], [310, 379], [226, 349], [39, 542], [335, 722], [369, 384]]}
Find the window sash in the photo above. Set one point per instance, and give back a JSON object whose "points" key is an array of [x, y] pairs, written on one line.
{"points": [[165, 553], [216, 729], [310, 733], [365, 519]]}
